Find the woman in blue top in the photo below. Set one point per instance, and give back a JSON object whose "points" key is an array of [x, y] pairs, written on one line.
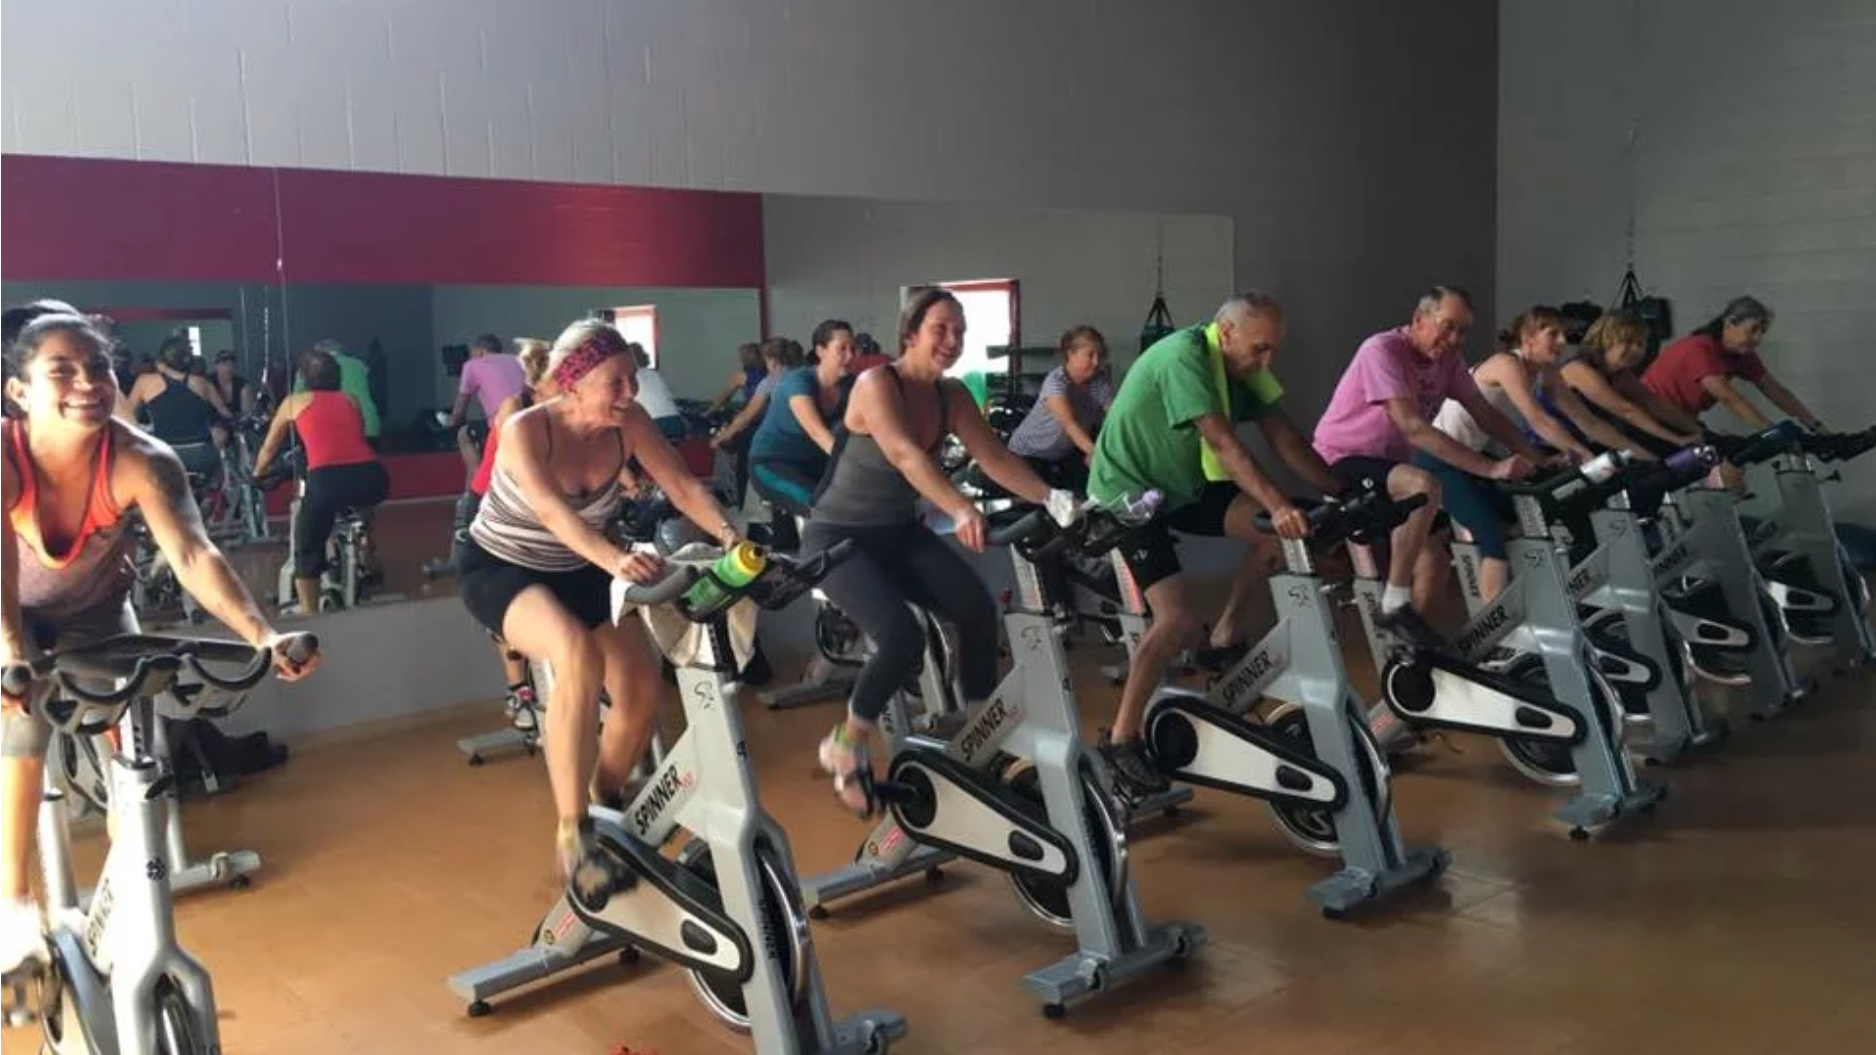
{"points": [[790, 448]]}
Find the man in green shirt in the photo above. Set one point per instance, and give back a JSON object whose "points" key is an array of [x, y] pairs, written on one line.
{"points": [[354, 381], [1174, 427]]}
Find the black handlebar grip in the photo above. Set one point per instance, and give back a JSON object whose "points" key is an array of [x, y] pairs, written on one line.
{"points": [[16, 679], [1020, 529]]}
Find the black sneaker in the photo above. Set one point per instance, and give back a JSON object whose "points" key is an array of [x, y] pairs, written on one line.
{"points": [[1134, 772], [1405, 625]]}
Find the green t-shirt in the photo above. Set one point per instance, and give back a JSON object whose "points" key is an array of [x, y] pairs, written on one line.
{"points": [[355, 382], [1151, 438]]}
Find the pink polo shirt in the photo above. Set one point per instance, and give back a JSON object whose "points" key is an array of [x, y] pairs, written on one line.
{"points": [[1385, 367]]}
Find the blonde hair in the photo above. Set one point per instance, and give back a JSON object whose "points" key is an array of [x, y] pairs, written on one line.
{"points": [[576, 335], [532, 351], [1610, 329]]}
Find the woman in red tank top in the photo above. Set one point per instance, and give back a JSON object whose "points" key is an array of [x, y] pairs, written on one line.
{"points": [[342, 471], [533, 355]]}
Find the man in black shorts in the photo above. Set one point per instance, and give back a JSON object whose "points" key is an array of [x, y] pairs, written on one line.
{"points": [[1173, 428]]}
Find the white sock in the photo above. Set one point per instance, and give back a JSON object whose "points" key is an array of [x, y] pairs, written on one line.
{"points": [[1395, 598]]}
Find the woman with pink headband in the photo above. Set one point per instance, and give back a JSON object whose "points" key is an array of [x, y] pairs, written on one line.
{"points": [[537, 567]]}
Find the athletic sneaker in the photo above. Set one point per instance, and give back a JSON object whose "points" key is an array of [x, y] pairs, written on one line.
{"points": [[22, 935], [1134, 772], [843, 761], [522, 710], [569, 847], [1405, 625]]}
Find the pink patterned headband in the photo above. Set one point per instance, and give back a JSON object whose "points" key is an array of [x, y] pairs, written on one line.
{"points": [[581, 361]]}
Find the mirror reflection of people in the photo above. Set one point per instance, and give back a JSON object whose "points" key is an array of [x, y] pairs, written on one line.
{"points": [[741, 386], [73, 478], [532, 354], [342, 471], [490, 377], [354, 381], [654, 394], [237, 392], [537, 568], [182, 408]]}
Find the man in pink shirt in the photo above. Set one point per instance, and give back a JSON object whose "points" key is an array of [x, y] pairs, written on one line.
{"points": [[1382, 414], [490, 376]]}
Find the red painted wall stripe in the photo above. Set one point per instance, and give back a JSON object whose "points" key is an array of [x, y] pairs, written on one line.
{"points": [[75, 218]]}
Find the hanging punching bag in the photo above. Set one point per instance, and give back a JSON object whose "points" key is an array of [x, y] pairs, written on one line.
{"points": [[1159, 322], [1655, 311]]}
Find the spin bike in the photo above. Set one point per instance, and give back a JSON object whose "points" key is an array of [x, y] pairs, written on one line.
{"points": [[351, 556], [1736, 619], [115, 981], [727, 908], [1311, 758], [1546, 697], [1637, 639], [1017, 790], [1797, 547]]}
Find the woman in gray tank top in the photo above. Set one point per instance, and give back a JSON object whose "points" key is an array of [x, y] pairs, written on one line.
{"points": [[884, 461]]}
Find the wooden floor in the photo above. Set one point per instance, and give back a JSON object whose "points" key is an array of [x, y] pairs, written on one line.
{"points": [[1737, 921]]}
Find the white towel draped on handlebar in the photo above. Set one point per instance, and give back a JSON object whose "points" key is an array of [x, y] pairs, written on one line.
{"points": [[679, 638]]}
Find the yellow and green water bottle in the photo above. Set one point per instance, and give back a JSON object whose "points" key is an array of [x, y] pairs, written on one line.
{"points": [[737, 567]]}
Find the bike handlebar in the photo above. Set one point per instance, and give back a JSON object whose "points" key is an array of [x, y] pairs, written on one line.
{"points": [[1763, 445], [782, 579], [679, 578], [1839, 446], [1369, 511], [144, 664]]}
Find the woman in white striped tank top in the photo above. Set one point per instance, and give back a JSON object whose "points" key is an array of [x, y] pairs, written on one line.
{"points": [[537, 568]]}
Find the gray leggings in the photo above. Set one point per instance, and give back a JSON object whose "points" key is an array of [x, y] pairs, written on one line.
{"points": [[898, 564], [26, 735]]}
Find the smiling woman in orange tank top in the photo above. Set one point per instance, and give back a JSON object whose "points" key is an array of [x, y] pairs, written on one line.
{"points": [[72, 476]]}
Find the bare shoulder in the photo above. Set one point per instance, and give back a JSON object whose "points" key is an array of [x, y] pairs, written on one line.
{"points": [[143, 466], [1500, 367]]}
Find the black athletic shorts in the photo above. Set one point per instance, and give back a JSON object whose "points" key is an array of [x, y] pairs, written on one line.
{"points": [[1150, 552], [489, 584], [1353, 470]]}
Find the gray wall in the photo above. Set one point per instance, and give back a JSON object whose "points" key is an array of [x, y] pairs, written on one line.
{"points": [[1351, 143], [698, 329], [1753, 171], [847, 257]]}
